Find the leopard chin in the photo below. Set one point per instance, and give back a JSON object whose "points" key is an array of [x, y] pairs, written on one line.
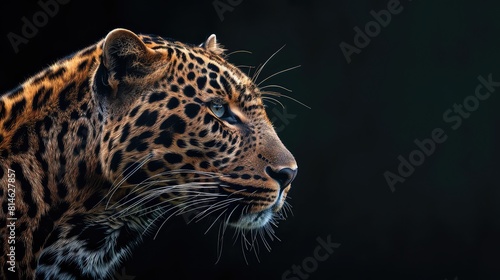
{"points": [[254, 220], [262, 218]]}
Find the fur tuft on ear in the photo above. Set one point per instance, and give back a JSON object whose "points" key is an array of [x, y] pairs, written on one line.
{"points": [[211, 45], [123, 54], [122, 51]]}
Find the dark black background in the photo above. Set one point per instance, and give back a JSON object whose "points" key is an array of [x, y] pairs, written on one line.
{"points": [[441, 223]]}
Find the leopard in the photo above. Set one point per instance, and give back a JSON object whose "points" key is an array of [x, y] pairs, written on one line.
{"points": [[106, 144]]}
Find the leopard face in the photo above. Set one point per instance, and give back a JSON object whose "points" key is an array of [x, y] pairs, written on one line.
{"points": [[189, 124]]}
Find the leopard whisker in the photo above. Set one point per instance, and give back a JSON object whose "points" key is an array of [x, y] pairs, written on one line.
{"points": [[247, 242], [163, 223], [149, 209], [274, 100], [136, 188], [220, 235], [208, 175], [214, 208], [256, 75], [115, 185], [188, 204], [239, 51], [193, 188], [268, 100], [190, 207], [220, 243], [255, 245], [140, 198], [216, 219], [273, 222], [188, 194], [226, 222], [264, 241], [245, 210], [183, 187], [235, 235], [242, 236], [183, 171], [217, 206], [150, 195], [275, 86], [235, 192], [245, 66], [198, 185], [271, 233], [287, 207], [277, 94], [153, 221], [164, 211], [279, 72], [144, 211]]}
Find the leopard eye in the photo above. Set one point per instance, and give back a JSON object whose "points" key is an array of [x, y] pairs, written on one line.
{"points": [[221, 110], [218, 109]]}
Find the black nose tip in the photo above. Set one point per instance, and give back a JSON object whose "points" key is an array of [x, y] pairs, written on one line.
{"points": [[284, 176]]}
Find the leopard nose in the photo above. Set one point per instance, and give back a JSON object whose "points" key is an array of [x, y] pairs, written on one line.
{"points": [[283, 176]]}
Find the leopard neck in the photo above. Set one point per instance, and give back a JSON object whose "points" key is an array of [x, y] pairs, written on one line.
{"points": [[50, 130]]}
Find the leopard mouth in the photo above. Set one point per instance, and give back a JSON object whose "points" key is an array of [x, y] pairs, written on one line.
{"points": [[259, 219]]}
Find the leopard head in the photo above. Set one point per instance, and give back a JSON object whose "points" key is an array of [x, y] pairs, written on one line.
{"points": [[184, 127]]}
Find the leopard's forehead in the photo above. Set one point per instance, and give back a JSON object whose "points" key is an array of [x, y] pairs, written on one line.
{"points": [[196, 60]]}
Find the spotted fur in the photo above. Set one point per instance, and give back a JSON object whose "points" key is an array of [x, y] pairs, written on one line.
{"points": [[110, 141]]}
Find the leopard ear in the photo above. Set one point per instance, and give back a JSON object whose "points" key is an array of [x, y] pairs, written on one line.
{"points": [[211, 45], [123, 53]]}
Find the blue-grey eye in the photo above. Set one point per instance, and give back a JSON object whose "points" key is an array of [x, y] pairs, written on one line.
{"points": [[218, 109], [221, 110]]}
